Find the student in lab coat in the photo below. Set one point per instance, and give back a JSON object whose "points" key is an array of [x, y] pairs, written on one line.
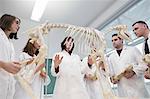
{"points": [[8, 25], [97, 87], [132, 82], [29, 52], [66, 67], [141, 29]]}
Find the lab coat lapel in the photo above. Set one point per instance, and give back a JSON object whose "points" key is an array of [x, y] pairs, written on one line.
{"points": [[7, 44], [123, 51]]}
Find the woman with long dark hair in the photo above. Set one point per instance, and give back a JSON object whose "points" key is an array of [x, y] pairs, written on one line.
{"points": [[66, 67]]}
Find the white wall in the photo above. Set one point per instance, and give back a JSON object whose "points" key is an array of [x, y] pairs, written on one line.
{"points": [[47, 97]]}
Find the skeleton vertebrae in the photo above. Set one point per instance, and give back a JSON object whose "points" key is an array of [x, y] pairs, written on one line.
{"points": [[122, 31]]}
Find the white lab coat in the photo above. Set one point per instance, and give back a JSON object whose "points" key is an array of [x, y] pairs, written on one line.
{"points": [[133, 87], [7, 82], [36, 84], [94, 88], [69, 82], [100, 88]]}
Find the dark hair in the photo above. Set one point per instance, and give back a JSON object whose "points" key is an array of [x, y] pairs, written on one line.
{"points": [[142, 22], [63, 46], [37, 52], [6, 21], [116, 35], [29, 48], [14, 35]]}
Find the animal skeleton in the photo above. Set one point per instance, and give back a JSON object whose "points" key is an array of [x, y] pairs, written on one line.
{"points": [[120, 75], [24, 84], [86, 38], [146, 59], [89, 38], [122, 31], [99, 61]]}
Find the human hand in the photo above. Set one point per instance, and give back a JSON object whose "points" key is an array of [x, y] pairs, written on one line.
{"points": [[113, 80], [148, 65], [11, 67], [39, 67], [89, 76], [129, 73], [57, 61], [101, 65], [43, 74], [147, 74], [90, 61], [30, 61]]}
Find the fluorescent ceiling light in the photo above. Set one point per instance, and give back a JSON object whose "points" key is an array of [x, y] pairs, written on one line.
{"points": [[38, 9]]}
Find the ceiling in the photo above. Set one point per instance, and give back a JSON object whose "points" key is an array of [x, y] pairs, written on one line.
{"points": [[78, 12], [92, 13]]}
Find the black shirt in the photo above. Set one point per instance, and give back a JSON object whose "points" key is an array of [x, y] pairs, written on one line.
{"points": [[146, 49], [119, 52]]}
